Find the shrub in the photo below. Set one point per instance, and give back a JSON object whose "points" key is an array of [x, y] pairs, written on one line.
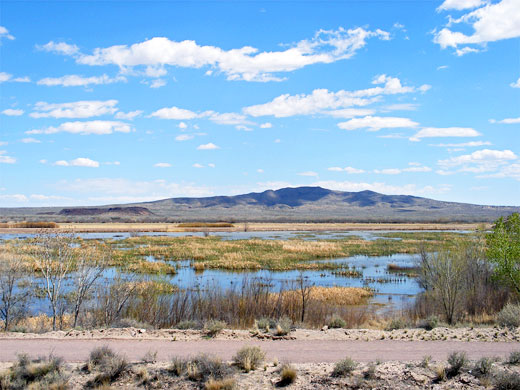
{"points": [[509, 316], [370, 371], [396, 323], [178, 366], [188, 324], [265, 324], [283, 326], [456, 362], [37, 373], [440, 373], [344, 367], [482, 367], [514, 358], [249, 358], [425, 362], [507, 381], [288, 375], [429, 323], [213, 327], [150, 357], [336, 322], [109, 364], [201, 368], [220, 384]]}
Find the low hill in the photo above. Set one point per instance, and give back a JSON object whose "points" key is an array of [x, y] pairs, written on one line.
{"points": [[301, 204]]}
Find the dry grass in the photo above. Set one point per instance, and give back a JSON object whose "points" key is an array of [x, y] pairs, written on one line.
{"points": [[205, 225], [340, 296]]}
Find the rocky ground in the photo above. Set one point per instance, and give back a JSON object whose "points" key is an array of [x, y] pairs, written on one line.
{"points": [[490, 334]]}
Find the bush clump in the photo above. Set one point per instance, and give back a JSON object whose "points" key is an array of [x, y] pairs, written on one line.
{"points": [[40, 373], [509, 316], [283, 326], [188, 324], [456, 362], [249, 358], [482, 367], [108, 364], [201, 367], [220, 384], [214, 327], [288, 375], [507, 381], [429, 323], [514, 358], [396, 323], [336, 322], [344, 367]]}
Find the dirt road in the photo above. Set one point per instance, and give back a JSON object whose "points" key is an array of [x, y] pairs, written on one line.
{"points": [[295, 351]]}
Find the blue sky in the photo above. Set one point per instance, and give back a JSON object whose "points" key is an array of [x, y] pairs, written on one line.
{"points": [[111, 102]]}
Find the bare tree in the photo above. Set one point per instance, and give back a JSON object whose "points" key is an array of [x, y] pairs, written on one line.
{"points": [[90, 266], [54, 257], [305, 291], [14, 287], [113, 298]]}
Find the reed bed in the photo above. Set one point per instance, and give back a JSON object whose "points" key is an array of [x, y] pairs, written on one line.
{"points": [[335, 296]]}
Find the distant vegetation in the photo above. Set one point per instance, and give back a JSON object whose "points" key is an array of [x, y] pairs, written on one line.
{"points": [[30, 225], [206, 225]]}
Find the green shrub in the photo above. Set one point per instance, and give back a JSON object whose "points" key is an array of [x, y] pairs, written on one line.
{"points": [[507, 381], [214, 327], [201, 367], [336, 322], [482, 367], [509, 316], [288, 375], [188, 324], [514, 358], [429, 323], [396, 323], [43, 373], [109, 365], [456, 362], [249, 358], [344, 367], [265, 324], [283, 326]]}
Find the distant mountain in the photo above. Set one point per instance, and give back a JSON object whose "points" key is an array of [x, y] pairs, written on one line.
{"points": [[301, 204]]}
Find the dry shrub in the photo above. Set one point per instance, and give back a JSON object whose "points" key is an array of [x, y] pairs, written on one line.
{"points": [[288, 375], [344, 367], [40, 373], [108, 364], [220, 384], [249, 358]]}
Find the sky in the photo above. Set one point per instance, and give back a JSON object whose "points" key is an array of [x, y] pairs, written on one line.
{"points": [[127, 101]]}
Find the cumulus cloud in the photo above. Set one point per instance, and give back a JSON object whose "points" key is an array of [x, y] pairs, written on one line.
{"points": [[4, 33], [516, 84], [507, 171], [507, 121], [348, 170], [375, 123], [128, 115], [73, 80], [485, 160], [323, 101], [174, 113], [246, 63], [463, 144], [459, 4], [13, 112], [209, 146], [266, 125], [59, 48], [433, 132], [490, 22], [30, 141], [5, 77], [86, 128], [162, 165], [197, 165], [5, 159], [78, 162], [80, 109]]}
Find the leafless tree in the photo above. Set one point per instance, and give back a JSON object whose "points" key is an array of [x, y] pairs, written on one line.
{"points": [[54, 258], [14, 287], [305, 292], [90, 265], [114, 297]]}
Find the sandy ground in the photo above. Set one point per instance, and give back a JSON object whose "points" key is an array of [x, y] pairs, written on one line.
{"points": [[164, 227]]}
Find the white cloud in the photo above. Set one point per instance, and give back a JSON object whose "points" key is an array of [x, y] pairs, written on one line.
{"points": [[506, 171], [184, 137], [73, 80], [3, 143], [5, 159], [463, 144], [5, 77], [209, 146], [59, 48], [85, 128], [432, 132], [459, 4], [211, 165], [162, 165], [260, 170], [30, 141], [197, 165], [388, 171], [174, 113], [245, 63], [308, 173], [322, 100], [401, 107], [78, 162], [350, 112], [375, 123], [491, 22], [508, 121], [442, 67], [157, 83], [12, 112], [80, 109], [227, 118], [266, 125], [182, 126], [24, 79], [128, 115], [485, 160], [4, 33], [348, 170], [515, 84]]}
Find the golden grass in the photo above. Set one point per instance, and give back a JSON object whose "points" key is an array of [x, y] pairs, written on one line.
{"points": [[339, 296], [205, 225]]}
